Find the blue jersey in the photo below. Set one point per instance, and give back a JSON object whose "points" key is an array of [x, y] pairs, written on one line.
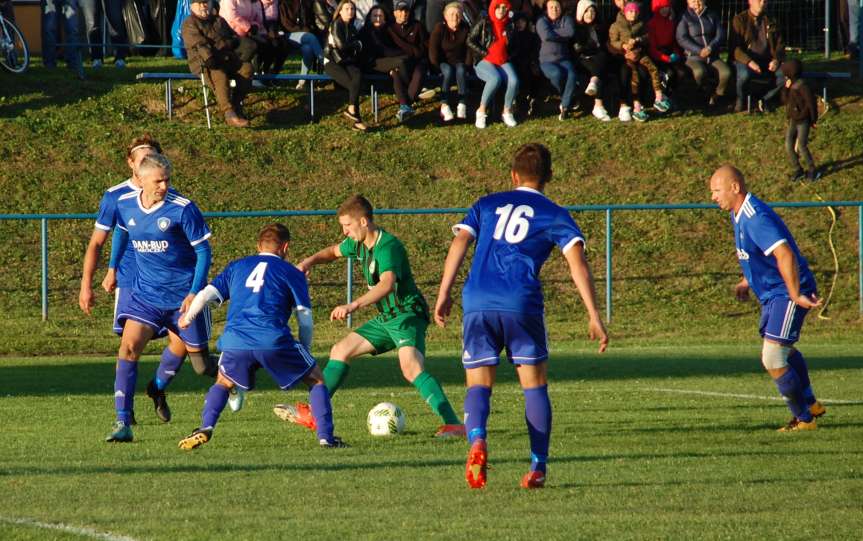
{"points": [[107, 219], [264, 289], [515, 234], [758, 231], [163, 237]]}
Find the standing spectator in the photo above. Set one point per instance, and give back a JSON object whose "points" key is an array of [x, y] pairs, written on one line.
{"points": [[297, 16], [113, 10], [849, 27], [52, 12], [802, 112], [448, 52], [409, 35], [701, 34], [342, 62], [590, 54], [662, 46], [555, 54], [756, 47], [489, 43], [381, 54], [211, 45]]}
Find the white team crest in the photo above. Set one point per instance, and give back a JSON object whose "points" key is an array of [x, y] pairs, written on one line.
{"points": [[164, 223], [131, 222]]}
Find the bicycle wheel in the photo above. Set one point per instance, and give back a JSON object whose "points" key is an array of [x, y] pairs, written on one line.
{"points": [[14, 53]]}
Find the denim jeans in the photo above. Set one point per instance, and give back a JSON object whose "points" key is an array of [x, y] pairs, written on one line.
{"points": [[854, 23], [310, 48], [113, 9], [562, 75], [744, 74], [493, 75], [52, 12], [448, 72]]}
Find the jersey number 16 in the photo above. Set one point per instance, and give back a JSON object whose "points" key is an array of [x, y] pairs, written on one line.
{"points": [[512, 224]]}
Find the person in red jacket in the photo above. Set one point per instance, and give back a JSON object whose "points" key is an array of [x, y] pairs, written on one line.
{"points": [[663, 48]]}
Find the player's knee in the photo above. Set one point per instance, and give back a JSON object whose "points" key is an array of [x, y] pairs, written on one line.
{"points": [[340, 352], [775, 356], [202, 363]]}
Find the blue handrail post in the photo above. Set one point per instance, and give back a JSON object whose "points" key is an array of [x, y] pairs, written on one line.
{"points": [[860, 255], [350, 285], [43, 241], [608, 265]]}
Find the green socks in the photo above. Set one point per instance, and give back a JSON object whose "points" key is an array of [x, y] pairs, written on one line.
{"points": [[335, 374], [431, 391]]}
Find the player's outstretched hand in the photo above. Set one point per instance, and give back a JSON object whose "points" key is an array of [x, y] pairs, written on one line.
{"points": [[811, 301], [305, 267], [85, 300], [442, 309], [341, 312], [109, 283], [596, 331]]}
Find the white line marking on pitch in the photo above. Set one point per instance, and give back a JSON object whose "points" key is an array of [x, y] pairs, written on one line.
{"points": [[84, 532], [752, 396]]}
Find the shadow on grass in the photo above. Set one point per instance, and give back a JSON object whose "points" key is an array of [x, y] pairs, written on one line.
{"points": [[97, 376]]}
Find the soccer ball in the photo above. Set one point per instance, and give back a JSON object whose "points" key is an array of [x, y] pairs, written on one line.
{"points": [[386, 419]]}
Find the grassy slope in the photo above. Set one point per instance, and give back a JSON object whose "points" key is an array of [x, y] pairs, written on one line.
{"points": [[673, 270]]}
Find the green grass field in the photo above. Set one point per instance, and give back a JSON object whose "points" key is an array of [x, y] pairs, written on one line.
{"points": [[666, 442]]}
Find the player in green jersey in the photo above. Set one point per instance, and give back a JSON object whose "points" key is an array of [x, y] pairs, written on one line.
{"points": [[400, 324]]}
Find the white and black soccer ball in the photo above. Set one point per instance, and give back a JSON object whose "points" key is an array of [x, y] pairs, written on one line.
{"points": [[386, 419]]}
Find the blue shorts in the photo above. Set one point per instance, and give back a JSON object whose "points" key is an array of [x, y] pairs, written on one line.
{"points": [[286, 366], [122, 296], [487, 333], [161, 321], [782, 320]]}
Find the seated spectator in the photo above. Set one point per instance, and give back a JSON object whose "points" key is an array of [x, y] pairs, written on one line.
{"points": [[524, 56], [629, 35], [489, 41], [662, 45], [555, 32], [756, 47], [211, 47], [363, 7], [298, 20], [381, 54], [472, 11], [448, 52], [272, 46], [342, 59], [246, 19], [701, 34], [589, 54], [409, 36]]}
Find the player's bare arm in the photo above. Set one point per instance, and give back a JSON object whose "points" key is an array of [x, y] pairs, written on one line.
{"points": [[455, 257], [787, 265], [109, 282], [91, 261], [384, 287], [327, 255], [583, 279]]}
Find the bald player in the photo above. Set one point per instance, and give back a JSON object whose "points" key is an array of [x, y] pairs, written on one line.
{"points": [[780, 277]]}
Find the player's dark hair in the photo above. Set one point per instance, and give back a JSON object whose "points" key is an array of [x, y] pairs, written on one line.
{"points": [[145, 140], [532, 162], [274, 235], [356, 206]]}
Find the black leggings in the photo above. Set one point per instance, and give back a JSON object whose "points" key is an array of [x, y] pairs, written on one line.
{"points": [[349, 77]]}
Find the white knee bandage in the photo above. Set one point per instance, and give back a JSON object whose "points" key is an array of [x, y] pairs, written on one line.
{"points": [[774, 356]]}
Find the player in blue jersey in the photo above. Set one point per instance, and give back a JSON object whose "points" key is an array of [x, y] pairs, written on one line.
{"points": [[780, 277], [264, 290], [172, 252], [515, 231]]}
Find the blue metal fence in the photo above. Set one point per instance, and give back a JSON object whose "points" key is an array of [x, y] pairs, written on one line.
{"points": [[607, 209]]}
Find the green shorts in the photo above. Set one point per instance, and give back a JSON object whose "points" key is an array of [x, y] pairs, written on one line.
{"points": [[408, 329]]}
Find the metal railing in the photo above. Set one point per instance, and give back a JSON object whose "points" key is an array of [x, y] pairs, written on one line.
{"points": [[607, 209]]}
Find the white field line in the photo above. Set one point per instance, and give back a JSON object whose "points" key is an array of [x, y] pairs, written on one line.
{"points": [[747, 396], [84, 532]]}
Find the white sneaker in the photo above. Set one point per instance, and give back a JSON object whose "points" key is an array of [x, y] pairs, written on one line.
{"points": [[427, 93], [236, 398], [509, 120], [446, 113], [301, 84], [592, 89], [257, 84], [625, 114], [461, 111], [480, 120], [600, 113]]}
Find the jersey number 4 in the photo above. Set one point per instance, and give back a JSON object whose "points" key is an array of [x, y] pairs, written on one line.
{"points": [[256, 278], [512, 224]]}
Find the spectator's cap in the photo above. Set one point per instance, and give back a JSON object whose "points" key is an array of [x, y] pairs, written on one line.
{"points": [[631, 6], [792, 69], [198, 1], [401, 4], [582, 7], [656, 5]]}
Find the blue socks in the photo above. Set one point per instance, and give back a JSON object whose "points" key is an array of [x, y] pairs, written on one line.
{"points": [[319, 398], [798, 363], [169, 366], [537, 414], [124, 389], [790, 388], [214, 403], [477, 404]]}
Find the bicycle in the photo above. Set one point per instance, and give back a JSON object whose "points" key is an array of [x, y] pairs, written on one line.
{"points": [[14, 52]]}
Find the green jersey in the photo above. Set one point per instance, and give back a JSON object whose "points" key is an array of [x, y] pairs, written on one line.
{"points": [[388, 254]]}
